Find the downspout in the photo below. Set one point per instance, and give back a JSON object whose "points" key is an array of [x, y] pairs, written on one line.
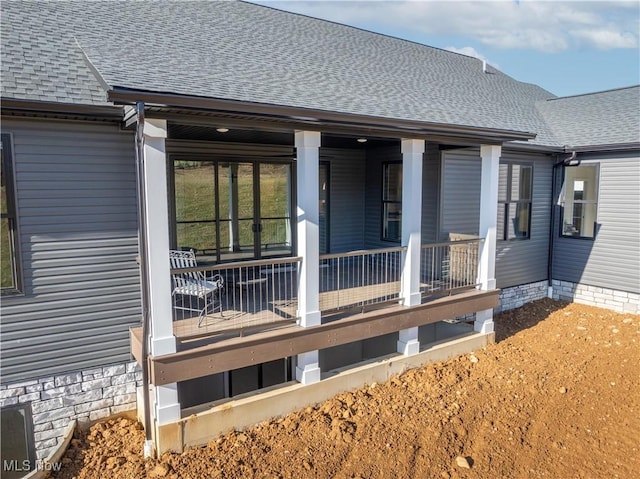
{"points": [[144, 273], [570, 161], [552, 229]]}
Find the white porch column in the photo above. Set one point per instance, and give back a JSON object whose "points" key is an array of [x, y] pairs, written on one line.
{"points": [[412, 154], [308, 159], [490, 155], [166, 406]]}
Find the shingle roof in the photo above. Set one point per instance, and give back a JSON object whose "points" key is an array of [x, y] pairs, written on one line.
{"points": [[40, 59], [608, 117], [247, 52]]}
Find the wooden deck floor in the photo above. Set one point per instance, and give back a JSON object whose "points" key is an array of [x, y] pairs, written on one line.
{"points": [[278, 313], [284, 312], [231, 322], [219, 352]]}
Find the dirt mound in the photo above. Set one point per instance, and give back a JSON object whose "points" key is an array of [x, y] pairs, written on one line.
{"points": [[557, 396]]}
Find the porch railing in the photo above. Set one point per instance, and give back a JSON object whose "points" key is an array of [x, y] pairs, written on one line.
{"points": [[449, 266], [359, 278], [240, 295], [218, 298]]}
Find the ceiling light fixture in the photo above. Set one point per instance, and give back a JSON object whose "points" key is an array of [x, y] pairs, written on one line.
{"points": [[222, 130], [362, 140]]}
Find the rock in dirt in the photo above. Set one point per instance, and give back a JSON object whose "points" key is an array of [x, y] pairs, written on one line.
{"points": [[463, 462], [563, 390], [159, 471]]}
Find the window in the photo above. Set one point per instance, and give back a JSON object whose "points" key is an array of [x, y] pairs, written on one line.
{"points": [[10, 280], [579, 199], [392, 202], [514, 201], [18, 453]]}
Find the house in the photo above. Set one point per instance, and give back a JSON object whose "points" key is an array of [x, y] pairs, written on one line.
{"points": [[354, 192]]}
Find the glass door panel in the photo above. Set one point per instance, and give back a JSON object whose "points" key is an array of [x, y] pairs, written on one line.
{"points": [[236, 211], [230, 211], [275, 209], [195, 207]]}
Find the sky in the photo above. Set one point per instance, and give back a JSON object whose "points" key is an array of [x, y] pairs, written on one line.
{"points": [[567, 47]]}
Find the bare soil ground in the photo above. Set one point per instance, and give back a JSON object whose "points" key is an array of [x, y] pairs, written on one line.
{"points": [[558, 396]]}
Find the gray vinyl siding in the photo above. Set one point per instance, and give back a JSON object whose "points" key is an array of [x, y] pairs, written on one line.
{"points": [[612, 259], [76, 200], [430, 194], [525, 261], [346, 198], [517, 261], [460, 195]]}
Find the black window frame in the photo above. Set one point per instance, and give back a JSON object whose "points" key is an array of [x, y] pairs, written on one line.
{"points": [[385, 202], [11, 215], [563, 200], [506, 201]]}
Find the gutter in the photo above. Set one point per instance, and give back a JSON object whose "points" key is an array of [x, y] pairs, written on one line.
{"points": [[605, 147], [21, 107], [313, 116], [144, 272]]}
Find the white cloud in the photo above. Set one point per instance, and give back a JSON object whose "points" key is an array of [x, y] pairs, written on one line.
{"points": [[472, 52], [508, 24], [607, 39]]}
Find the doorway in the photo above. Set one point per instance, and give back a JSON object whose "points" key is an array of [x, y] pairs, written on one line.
{"points": [[232, 210]]}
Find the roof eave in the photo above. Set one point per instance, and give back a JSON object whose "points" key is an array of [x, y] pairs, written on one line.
{"points": [[533, 147], [311, 118], [75, 110], [635, 145]]}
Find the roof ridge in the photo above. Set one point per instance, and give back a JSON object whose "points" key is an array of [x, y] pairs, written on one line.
{"points": [[594, 92], [386, 35]]}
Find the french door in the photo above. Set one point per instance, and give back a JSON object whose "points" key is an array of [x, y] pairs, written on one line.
{"points": [[228, 210]]}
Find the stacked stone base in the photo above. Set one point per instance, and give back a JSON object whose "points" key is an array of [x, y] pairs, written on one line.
{"points": [[620, 301], [86, 396], [518, 296]]}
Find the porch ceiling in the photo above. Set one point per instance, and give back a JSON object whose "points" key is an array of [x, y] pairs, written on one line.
{"points": [[181, 131]]}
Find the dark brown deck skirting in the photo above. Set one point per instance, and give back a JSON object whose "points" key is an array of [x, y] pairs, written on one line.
{"points": [[258, 348]]}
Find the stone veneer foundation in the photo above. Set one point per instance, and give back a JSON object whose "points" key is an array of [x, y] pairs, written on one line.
{"points": [[85, 396], [517, 296], [620, 301]]}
